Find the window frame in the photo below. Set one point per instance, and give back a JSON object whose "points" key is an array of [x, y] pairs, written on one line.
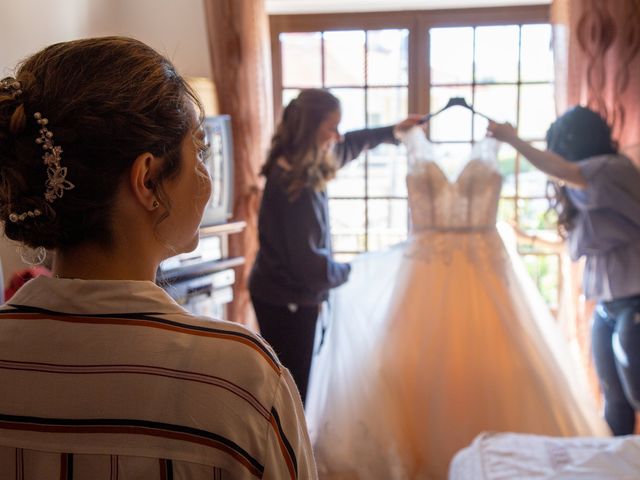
{"points": [[418, 22]]}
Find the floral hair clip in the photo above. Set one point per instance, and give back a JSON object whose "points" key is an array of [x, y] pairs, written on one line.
{"points": [[56, 182], [56, 175]]}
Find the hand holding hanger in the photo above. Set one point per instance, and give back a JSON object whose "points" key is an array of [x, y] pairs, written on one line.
{"points": [[504, 132], [405, 125]]}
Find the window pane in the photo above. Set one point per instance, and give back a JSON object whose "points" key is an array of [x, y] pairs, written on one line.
{"points": [[289, 94], [532, 184], [301, 60], [344, 58], [499, 102], [349, 181], [386, 106], [531, 181], [497, 54], [387, 171], [347, 224], [387, 57], [507, 167], [536, 62], [343, 257], [353, 241], [507, 210], [451, 55], [537, 111], [551, 220], [388, 222], [544, 270], [532, 215], [452, 124], [353, 110]]}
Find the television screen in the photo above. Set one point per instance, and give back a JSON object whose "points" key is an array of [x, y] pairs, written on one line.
{"points": [[219, 163]]}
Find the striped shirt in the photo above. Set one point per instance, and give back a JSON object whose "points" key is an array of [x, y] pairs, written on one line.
{"points": [[114, 380]]}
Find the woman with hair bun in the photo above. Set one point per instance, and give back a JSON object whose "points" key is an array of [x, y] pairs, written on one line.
{"points": [[294, 269], [598, 204], [102, 373]]}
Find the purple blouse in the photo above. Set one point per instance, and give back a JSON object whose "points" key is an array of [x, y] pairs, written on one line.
{"points": [[607, 227]]}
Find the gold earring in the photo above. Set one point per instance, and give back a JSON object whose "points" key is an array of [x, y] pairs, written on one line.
{"points": [[155, 204]]}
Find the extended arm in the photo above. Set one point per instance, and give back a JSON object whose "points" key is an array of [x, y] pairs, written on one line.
{"points": [[355, 142], [556, 246], [545, 160]]}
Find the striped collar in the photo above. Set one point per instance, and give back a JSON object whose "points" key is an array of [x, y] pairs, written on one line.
{"points": [[91, 296]]}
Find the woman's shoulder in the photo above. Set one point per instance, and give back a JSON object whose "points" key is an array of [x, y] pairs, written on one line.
{"points": [[276, 177], [230, 350], [277, 185], [234, 336], [609, 165], [140, 317]]}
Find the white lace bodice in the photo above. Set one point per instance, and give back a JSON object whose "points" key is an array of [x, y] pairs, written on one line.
{"points": [[468, 203]]}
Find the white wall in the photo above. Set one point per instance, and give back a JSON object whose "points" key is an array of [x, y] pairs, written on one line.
{"points": [[176, 28], [29, 25]]}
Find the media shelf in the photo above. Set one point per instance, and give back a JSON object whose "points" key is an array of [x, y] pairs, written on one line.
{"points": [[202, 281]]}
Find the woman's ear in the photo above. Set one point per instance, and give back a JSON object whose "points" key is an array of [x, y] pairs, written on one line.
{"points": [[142, 177]]}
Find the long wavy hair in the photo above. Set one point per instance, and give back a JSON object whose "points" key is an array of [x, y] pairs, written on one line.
{"points": [[295, 142], [578, 134]]}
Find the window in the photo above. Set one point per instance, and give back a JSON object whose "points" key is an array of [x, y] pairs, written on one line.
{"points": [[368, 71], [515, 85], [382, 66]]}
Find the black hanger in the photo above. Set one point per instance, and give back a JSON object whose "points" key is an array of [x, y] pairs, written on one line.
{"points": [[453, 102]]}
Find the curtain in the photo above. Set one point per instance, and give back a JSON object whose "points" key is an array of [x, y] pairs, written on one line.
{"points": [[238, 33], [597, 53], [597, 59]]}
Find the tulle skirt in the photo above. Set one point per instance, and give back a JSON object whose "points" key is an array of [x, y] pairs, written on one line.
{"points": [[431, 343]]}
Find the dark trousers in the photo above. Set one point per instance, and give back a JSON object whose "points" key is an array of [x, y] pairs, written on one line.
{"points": [[290, 331], [616, 351]]}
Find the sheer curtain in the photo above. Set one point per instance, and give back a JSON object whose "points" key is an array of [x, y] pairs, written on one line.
{"points": [[238, 32], [597, 52]]}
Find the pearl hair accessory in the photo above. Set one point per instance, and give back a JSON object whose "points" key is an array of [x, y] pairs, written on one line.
{"points": [[56, 175], [56, 182], [11, 85], [14, 217]]}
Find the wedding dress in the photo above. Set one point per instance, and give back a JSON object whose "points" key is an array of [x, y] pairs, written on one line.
{"points": [[440, 338]]}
